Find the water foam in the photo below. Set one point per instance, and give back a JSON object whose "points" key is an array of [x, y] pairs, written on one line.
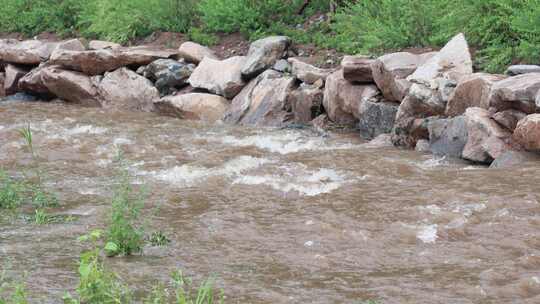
{"points": [[189, 175], [282, 143], [302, 181], [428, 234]]}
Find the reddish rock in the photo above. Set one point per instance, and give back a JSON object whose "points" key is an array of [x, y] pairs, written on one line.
{"points": [[32, 82], [195, 53], [13, 75], [357, 69], [390, 72], [29, 52], [307, 73], [508, 118], [265, 101], [518, 92], [194, 106], [472, 91], [70, 45], [126, 90], [100, 45], [306, 103], [486, 139], [527, 132], [342, 99], [72, 86], [2, 79], [219, 77]]}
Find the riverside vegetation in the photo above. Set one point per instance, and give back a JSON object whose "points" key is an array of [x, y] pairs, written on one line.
{"points": [[124, 235], [502, 31]]}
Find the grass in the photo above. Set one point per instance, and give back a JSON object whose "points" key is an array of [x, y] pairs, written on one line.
{"points": [[159, 239]]}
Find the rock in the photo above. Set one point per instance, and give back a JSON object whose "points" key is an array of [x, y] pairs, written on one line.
{"points": [[472, 91], [422, 146], [219, 77], [265, 101], [32, 82], [96, 62], [342, 99], [486, 139], [308, 73], [448, 136], [29, 52], [126, 90], [514, 70], [452, 62], [321, 123], [195, 53], [100, 45], [282, 66], [518, 92], [168, 74], [263, 54], [381, 141], [24, 97], [306, 103], [390, 72], [357, 69], [512, 158], [508, 118], [2, 79], [13, 75], [71, 86], [70, 45], [194, 106], [376, 118], [527, 132]]}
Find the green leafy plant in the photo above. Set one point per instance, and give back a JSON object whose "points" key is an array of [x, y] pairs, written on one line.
{"points": [[11, 192], [158, 238]]}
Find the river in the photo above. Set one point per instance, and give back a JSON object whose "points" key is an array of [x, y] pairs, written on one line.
{"points": [[277, 215]]}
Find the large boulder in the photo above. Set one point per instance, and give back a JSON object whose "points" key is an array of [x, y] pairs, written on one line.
{"points": [[486, 139], [263, 54], [376, 118], [100, 45], [72, 86], [96, 62], [448, 136], [70, 45], [452, 62], [518, 92], [29, 52], [194, 106], [527, 132], [219, 77], [265, 101], [357, 69], [472, 91], [13, 74], [194, 52], [2, 79], [126, 90], [168, 74], [342, 99], [306, 103], [390, 72], [306, 72], [519, 69], [33, 82]]}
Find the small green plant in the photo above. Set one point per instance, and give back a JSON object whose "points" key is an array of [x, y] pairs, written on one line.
{"points": [[18, 294], [184, 292], [125, 233], [11, 192], [41, 217], [158, 238], [201, 36]]}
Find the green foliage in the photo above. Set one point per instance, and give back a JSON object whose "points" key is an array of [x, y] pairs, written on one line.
{"points": [[184, 292], [125, 234], [11, 292], [158, 238], [201, 36], [11, 192]]}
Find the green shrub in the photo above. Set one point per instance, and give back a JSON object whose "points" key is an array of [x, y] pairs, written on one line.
{"points": [[201, 36], [125, 234]]}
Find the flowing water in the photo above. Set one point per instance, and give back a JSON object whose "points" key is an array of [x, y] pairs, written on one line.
{"points": [[278, 216]]}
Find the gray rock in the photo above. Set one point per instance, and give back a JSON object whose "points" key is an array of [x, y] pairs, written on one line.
{"points": [[194, 52], [511, 158], [376, 118], [265, 101], [517, 92], [168, 74], [508, 118], [306, 103], [422, 146], [100, 45], [32, 82], [193, 106], [357, 69], [307, 73], [72, 86], [472, 91], [263, 54], [282, 66], [219, 77], [448, 136], [13, 74], [514, 70], [2, 78], [29, 52]]}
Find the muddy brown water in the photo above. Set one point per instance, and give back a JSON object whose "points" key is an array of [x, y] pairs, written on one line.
{"points": [[278, 216]]}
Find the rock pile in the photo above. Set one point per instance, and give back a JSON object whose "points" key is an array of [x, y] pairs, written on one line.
{"points": [[432, 101]]}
